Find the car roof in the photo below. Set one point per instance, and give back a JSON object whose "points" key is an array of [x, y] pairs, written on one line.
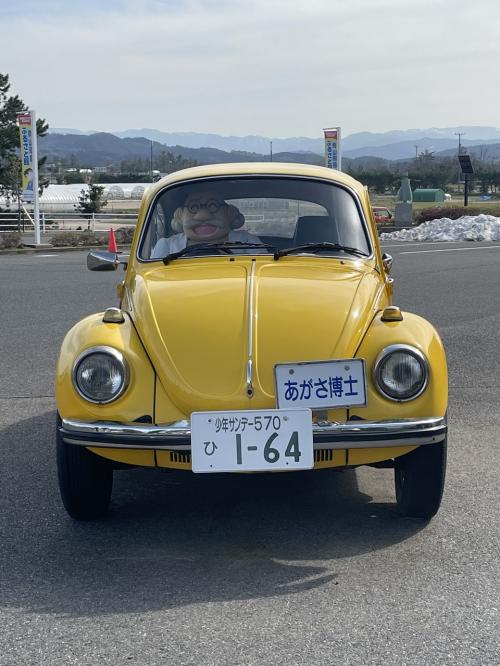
{"points": [[256, 169], [249, 169]]}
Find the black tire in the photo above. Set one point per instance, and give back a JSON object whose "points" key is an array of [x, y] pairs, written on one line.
{"points": [[85, 481], [419, 479]]}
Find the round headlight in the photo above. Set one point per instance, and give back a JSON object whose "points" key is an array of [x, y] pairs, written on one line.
{"points": [[401, 372], [100, 374]]}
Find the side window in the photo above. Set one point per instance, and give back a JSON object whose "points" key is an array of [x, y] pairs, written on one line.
{"points": [[157, 229], [346, 216]]}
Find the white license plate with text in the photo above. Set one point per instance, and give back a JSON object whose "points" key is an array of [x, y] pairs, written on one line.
{"points": [[321, 384], [256, 441]]}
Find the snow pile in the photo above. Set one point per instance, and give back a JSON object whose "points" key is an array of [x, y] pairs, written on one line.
{"points": [[468, 228]]}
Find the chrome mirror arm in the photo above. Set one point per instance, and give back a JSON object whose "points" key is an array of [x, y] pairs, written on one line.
{"points": [[99, 260], [387, 261]]}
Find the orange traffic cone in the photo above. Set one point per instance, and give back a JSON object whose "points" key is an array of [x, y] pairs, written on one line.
{"points": [[112, 242]]}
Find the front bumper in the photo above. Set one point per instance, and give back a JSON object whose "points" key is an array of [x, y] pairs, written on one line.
{"points": [[326, 434]]}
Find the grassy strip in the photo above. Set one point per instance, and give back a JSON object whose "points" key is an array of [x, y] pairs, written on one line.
{"points": [[474, 202]]}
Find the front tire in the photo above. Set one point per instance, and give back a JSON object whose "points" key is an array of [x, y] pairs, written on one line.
{"points": [[85, 481], [419, 479]]}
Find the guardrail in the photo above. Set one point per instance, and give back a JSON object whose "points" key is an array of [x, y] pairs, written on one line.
{"points": [[68, 222]]}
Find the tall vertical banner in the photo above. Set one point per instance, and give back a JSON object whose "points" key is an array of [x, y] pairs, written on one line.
{"points": [[332, 148], [29, 165], [26, 131]]}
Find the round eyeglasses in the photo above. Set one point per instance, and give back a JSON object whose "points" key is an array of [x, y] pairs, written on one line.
{"points": [[212, 205]]}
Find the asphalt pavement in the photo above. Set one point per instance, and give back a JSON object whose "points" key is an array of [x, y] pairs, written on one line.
{"points": [[313, 568]]}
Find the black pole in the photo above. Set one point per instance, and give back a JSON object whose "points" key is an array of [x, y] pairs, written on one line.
{"points": [[466, 189]]}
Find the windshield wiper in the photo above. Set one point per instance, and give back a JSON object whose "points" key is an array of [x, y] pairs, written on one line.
{"points": [[316, 247], [225, 247], [188, 250], [237, 244]]}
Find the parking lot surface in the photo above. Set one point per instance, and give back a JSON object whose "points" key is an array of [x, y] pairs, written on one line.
{"points": [[277, 569]]}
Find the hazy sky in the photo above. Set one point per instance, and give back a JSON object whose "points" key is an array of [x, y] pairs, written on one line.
{"points": [[271, 67]]}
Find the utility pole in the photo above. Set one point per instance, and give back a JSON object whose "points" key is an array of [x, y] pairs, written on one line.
{"points": [[460, 135], [416, 152], [270, 151]]}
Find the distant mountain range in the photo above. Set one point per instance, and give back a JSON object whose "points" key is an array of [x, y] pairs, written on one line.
{"points": [[103, 148], [392, 145]]}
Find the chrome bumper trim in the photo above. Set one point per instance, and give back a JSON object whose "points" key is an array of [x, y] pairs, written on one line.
{"points": [[326, 435]]}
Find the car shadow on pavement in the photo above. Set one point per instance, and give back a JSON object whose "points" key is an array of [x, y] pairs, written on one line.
{"points": [[174, 538]]}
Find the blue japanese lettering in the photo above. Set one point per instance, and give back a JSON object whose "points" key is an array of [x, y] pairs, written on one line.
{"points": [[336, 387], [321, 388], [292, 392], [351, 381]]}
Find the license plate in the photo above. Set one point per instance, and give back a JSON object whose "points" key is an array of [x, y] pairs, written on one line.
{"points": [[252, 441], [321, 384]]}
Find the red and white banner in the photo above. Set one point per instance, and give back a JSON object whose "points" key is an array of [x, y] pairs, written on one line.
{"points": [[332, 148]]}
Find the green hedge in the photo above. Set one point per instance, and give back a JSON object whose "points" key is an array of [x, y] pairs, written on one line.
{"points": [[453, 212], [124, 235], [77, 238]]}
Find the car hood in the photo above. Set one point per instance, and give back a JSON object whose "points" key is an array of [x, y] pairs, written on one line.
{"points": [[200, 322]]}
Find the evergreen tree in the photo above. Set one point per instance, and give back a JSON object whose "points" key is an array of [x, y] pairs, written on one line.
{"points": [[91, 200], [10, 106]]}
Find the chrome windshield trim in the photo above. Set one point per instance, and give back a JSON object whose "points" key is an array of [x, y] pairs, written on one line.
{"points": [[196, 180], [326, 434]]}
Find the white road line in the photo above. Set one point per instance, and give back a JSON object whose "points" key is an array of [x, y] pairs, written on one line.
{"points": [[454, 249], [412, 243], [47, 255]]}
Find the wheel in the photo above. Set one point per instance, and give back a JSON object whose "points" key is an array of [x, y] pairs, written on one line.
{"points": [[419, 479], [85, 481]]}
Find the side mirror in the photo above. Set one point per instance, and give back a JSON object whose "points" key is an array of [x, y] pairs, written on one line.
{"points": [[387, 262], [105, 261], [102, 261]]}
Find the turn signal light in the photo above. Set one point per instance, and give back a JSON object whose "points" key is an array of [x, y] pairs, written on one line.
{"points": [[392, 313]]}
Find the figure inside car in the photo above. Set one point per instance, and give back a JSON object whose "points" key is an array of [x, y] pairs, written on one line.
{"points": [[204, 218]]}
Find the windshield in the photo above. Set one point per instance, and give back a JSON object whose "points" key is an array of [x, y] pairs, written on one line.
{"points": [[252, 215]]}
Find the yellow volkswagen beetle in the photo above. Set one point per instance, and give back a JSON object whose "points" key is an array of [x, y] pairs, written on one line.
{"points": [[255, 333]]}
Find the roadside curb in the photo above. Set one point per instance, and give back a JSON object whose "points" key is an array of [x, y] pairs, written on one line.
{"points": [[387, 229], [50, 249], [80, 248]]}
